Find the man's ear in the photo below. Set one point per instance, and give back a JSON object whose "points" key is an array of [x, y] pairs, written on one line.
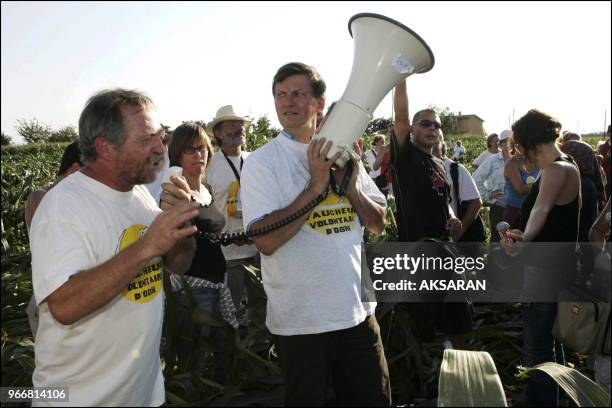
{"points": [[104, 149], [321, 104]]}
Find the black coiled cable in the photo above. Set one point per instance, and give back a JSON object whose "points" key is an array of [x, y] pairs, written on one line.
{"points": [[234, 237]]}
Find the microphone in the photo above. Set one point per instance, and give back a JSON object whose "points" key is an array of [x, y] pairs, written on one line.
{"points": [[502, 228]]}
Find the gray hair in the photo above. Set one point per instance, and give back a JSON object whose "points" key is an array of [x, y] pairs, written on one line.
{"points": [[102, 117]]}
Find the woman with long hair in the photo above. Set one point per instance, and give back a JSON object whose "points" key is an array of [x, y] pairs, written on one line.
{"points": [[549, 214]]}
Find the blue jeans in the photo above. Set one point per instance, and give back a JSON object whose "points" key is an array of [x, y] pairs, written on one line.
{"points": [[208, 299], [539, 346]]}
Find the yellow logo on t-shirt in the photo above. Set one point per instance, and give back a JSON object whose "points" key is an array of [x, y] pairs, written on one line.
{"points": [[148, 283], [232, 199], [336, 220]]}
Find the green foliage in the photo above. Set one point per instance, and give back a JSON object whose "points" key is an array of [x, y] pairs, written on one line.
{"points": [[17, 343], [65, 134], [24, 169], [378, 125], [259, 132], [448, 118], [33, 131], [583, 391], [6, 139]]}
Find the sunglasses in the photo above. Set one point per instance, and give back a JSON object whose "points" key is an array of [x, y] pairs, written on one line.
{"points": [[191, 150], [427, 123]]}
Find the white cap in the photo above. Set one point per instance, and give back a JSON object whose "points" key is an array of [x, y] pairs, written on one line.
{"points": [[505, 135]]}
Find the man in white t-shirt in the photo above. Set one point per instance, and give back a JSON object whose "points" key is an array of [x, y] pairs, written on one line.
{"points": [[468, 192], [458, 151], [223, 175], [98, 241], [311, 265]]}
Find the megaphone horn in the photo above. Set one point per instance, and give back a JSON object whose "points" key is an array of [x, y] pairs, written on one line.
{"points": [[386, 52]]}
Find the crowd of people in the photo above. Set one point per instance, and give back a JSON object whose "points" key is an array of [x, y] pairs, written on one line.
{"points": [[102, 235]]}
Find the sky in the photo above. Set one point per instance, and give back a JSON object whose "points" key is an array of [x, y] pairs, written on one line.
{"points": [[495, 60]]}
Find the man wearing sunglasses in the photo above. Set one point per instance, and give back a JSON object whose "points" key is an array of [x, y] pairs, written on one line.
{"points": [[420, 183], [422, 193]]}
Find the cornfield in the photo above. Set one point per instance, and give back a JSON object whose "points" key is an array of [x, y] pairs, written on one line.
{"points": [[255, 377]]}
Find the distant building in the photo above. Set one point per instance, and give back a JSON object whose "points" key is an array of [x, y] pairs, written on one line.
{"points": [[470, 124]]}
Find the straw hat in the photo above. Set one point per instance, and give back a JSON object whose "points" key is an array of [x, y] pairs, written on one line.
{"points": [[225, 113]]}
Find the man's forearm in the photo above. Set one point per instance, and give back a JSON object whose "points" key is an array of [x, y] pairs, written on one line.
{"points": [[402, 116], [90, 290], [470, 214], [268, 243], [371, 214]]}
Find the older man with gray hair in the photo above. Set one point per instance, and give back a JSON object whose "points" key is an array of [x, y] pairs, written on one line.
{"points": [[99, 245]]}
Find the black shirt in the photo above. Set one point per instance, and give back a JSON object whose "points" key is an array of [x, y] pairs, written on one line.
{"points": [[562, 222], [422, 193], [208, 261]]}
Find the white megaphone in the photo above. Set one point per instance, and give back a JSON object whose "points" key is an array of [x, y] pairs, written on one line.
{"points": [[386, 52]]}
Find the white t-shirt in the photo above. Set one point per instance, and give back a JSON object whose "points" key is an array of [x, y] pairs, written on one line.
{"points": [[313, 280], [482, 157], [220, 176], [110, 357], [371, 158], [467, 186], [458, 152]]}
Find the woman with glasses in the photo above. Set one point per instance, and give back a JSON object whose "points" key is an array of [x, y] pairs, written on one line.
{"points": [[191, 149], [549, 214]]}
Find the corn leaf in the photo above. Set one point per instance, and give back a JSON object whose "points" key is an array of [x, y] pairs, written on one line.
{"points": [[579, 388], [469, 379]]}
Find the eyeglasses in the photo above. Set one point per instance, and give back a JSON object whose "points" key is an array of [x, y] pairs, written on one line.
{"points": [[191, 150], [427, 123]]}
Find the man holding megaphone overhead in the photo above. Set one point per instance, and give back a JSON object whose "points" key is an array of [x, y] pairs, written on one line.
{"points": [[422, 190], [311, 264]]}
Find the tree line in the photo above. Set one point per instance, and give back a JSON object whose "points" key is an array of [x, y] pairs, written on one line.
{"points": [[259, 131]]}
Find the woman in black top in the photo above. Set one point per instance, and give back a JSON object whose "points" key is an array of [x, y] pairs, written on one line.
{"points": [[190, 148], [549, 214]]}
